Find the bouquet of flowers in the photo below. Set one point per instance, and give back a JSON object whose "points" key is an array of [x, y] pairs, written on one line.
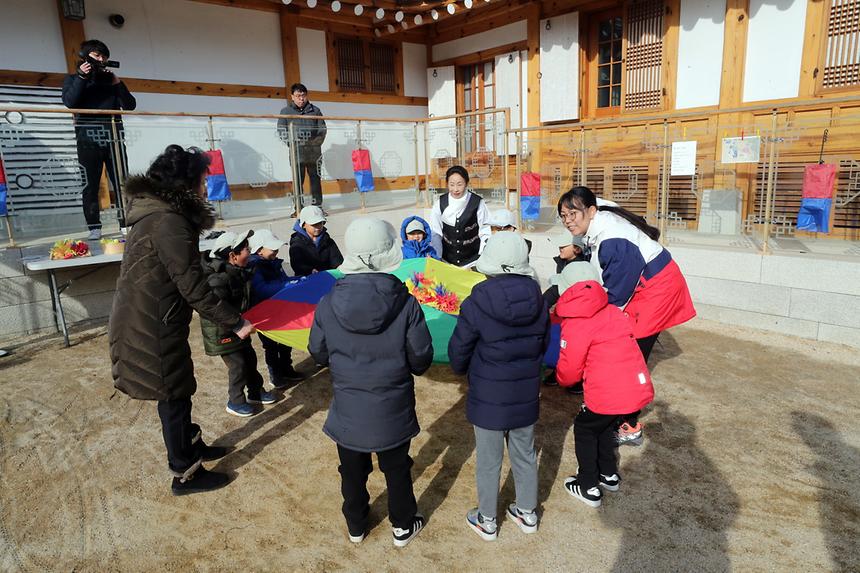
{"points": [[433, 293], [69, 249]]}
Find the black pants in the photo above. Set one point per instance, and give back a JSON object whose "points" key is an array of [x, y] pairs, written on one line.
{"points": [[594, 441], [96, 149], [646, 345], [241, 373], [181, 437], [279, 357], [310, 167], [397, 467]]}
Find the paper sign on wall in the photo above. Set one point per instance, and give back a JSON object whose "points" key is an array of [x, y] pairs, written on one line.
{"points": [[683, 158], [741, 149]]}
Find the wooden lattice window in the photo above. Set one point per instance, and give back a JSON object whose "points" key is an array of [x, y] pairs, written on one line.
{"points": [[842, 52], [382, 62], [364, 66], [644, 56]]}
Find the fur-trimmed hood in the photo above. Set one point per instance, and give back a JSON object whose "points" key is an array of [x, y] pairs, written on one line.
{"points": [[145, 197]]}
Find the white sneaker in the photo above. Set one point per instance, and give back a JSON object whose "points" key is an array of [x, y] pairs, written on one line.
{"points": [[124, 231], [527, 521], [357, 538], [486, 527], [609, 483], [95, 235]]}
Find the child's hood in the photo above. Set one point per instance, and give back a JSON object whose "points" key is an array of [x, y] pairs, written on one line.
{"points": [[513, 300], [407, 220], [255, 261], [298, 228], [582, 300]]}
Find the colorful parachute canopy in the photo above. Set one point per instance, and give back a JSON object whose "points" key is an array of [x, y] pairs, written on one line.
{"points": [[438, 286]]}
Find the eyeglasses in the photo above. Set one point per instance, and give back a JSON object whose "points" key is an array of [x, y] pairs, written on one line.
{"points": [[569, 215]]}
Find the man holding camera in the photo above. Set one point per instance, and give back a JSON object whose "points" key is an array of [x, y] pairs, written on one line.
{"points": [[100, 136], [310, 134]]}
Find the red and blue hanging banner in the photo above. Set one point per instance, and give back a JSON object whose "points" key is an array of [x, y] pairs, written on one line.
{"points": [[361, 169], [3, 189], [530, 196], [817, 198], [216, 178]]}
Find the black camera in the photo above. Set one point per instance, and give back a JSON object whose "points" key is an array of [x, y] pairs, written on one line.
{"points": [[100, 66]]}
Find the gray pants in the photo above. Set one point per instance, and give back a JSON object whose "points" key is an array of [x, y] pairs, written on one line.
{"points": [[490, 445]]}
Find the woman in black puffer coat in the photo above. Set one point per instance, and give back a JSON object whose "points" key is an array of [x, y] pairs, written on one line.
{"points": [[161, 280]]}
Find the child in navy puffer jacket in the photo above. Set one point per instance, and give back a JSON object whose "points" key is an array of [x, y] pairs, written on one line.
{"points": [[500, 339], [268, 278], [598, 349]]}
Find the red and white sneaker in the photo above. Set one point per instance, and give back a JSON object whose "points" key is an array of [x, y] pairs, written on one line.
{"points": [[629, 435]]}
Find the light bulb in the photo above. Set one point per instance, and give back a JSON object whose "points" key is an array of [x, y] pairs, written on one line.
{"points": [[434, 14], [359, 9], [390, 28], [377, 32], [451, 8], [418, 19], [335, 6], [467, 3], [404, 24], [287, 2], [312, 3], [398, 15], [380, 13]]}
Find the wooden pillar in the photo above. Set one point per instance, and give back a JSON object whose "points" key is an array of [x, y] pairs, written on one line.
{"points": [[671, 32], [731, 91], [73, 37], [290, 46], [533, 85], [812, 64]]}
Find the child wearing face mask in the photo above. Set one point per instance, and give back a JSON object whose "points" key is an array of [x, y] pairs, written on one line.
{"points": [[460, 221], [228, 277], [267, 278]]}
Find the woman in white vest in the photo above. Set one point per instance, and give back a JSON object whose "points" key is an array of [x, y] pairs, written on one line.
{"points": [[459, 221]]}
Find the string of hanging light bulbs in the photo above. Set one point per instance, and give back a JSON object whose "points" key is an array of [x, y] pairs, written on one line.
{"points": [[433, 15]]}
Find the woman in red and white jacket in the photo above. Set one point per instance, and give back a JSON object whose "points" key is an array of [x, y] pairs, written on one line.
{"points": [[598, 349], [638, 274]]}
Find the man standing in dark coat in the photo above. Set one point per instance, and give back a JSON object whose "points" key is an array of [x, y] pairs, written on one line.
{"points": [[371, 333], [310, 135], [100, 137]]}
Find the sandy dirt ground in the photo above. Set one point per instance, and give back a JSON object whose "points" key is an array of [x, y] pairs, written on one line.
{"points": [[750, 463]]}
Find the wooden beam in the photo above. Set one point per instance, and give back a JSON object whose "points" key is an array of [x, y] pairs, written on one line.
{"points": [[398, 68], [262, 5], [290, 47], [470, 28], [73, 37], [480, 56], [671, 33], [553, 8], [54, 79], [812, 62], [533, 81], [734, 53]]}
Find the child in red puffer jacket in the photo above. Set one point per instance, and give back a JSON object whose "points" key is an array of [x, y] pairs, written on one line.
{"points": [[597, 348]]}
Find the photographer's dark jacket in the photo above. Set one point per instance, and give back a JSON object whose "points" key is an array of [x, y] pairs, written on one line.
{"points": [[310, 132], [96, 92], [232, 285], [160, 281]]}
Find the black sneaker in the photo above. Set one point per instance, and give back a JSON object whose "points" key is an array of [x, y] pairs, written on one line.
{"points": [[549, 379], [286, 378], [199, 482], [609, 483], [576, 389], [592, 496], [402, 537], [211, 453]]}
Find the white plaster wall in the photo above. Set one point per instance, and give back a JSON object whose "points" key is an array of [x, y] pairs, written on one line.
{"points": [[774, 49], [700, 53], [190, 41], [524, 85], [515, 32], [30, 37], [414, 70], [559, 68], [313, 65]]}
